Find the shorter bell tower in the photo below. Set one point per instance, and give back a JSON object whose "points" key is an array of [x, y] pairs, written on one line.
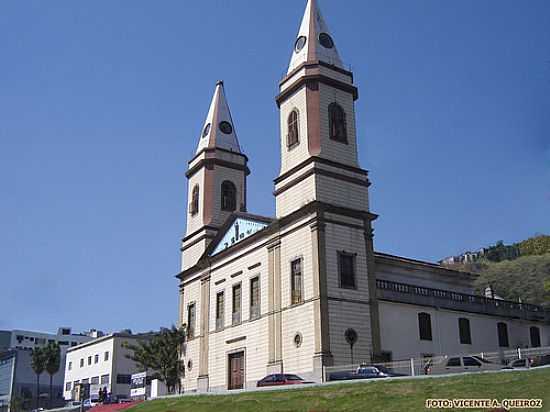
{"points": [[216, 179]]}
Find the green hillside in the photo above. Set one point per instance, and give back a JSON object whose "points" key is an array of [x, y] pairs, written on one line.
{"points": [[377, 396]]}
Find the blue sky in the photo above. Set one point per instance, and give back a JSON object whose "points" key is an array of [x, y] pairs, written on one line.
{"points": [[101, 105]]}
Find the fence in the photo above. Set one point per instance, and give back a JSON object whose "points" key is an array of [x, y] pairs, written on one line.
{"points": [[438, 364]]}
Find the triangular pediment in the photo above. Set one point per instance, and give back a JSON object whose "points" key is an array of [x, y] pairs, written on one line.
{"points": [[240, 229]]}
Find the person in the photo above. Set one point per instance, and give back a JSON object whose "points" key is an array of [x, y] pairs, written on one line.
{"points": [[428, 367]]}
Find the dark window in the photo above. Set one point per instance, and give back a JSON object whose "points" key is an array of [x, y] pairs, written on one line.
{"points": [[469, 361], [535, 336], [106, 356], [220, 304], [191, 320], [70, 366], [96, 358], [453, 362], [226, 127], [326, 41], [206, 130], [229, 196], [502, 329], [104, 379], [337, 123], [123, 379], [236, 312], [194, 205], [300, 43], [296, 281], [346, 270], [464, 331], [95, 380], [68, 386], [425, 326], [81, 363], [89, 360], [255, 297], [292, 138]]}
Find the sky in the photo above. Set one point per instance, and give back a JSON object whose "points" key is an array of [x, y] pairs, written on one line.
{"points": [[101, 106]]}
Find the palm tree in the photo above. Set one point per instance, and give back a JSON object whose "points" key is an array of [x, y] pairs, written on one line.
{"points": [[38, 364], [53, 362]]}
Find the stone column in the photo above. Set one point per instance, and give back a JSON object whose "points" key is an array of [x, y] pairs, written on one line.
{"points": [[202, 383], [275, 347], [322, 356]]}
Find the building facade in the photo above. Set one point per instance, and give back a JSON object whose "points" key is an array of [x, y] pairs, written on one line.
{"points": [[17, 379], [294, 292], [103, 364]]}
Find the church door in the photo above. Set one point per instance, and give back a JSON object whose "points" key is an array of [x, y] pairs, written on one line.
{"points": [[236, 370]]}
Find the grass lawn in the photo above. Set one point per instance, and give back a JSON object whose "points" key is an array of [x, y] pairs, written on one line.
{"points": [[384, 396]]}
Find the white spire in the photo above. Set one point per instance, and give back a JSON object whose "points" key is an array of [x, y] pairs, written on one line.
{"points": [[314, 41], [218, 129]]}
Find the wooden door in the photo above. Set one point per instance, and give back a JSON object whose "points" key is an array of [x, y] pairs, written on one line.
{"points": [[236, 370]]}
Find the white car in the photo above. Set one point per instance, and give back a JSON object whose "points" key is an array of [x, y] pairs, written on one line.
{"points": [[467, 364]]}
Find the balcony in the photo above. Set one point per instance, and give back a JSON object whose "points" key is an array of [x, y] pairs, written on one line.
{"points": [[445, 299]]}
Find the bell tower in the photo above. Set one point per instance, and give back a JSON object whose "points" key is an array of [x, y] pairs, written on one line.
{"points": [[216, 179], [317, 121]]}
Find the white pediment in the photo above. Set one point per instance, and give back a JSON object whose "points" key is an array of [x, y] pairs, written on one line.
{"points": [[238, 231]]}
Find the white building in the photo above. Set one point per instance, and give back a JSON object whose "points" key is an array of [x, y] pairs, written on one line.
{"points": [[288, 293], [103, 363], [17, 378]]}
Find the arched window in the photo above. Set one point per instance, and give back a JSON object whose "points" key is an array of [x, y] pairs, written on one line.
{"points": [[502, 330], [292, 138], [535, 336], [194, 205], [464, 331], [337, 123], [229, 196], [425, 326]]}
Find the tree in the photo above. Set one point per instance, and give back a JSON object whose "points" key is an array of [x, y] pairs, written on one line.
{"points": [[38, 365], [162, 356], [53, 362], [547, 290]]}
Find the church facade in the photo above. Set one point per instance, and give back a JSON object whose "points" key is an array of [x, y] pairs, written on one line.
{"points": [[295, 292]]}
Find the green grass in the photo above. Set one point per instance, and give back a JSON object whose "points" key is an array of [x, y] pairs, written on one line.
{"points": [[374, 396]]}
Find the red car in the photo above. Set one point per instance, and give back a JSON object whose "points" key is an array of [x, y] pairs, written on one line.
{"points": [[278, 379]]}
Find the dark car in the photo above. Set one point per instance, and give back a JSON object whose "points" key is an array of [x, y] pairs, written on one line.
{"points": [[363, 372], [278, 379]]}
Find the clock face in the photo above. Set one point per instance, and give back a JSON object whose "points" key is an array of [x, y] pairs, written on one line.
{"points": [[300, 43], [326, 41], [226, 127]]}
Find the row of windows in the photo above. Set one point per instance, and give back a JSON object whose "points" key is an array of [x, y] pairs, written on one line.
{"points": [[336, 124], [228, 198], [465, 334], [95, 360], [42, 341], [99, 380], [346, 270]]}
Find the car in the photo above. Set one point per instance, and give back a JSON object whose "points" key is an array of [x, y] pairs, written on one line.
{"points": [[532, 362], [467, 364], [71, 404], [364, 372], [279, 379]]}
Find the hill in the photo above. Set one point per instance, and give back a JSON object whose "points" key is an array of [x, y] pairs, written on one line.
{"points": [[524, 277], [376, 395]]}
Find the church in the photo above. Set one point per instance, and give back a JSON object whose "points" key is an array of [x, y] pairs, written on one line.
{"points": [[306, 289]]}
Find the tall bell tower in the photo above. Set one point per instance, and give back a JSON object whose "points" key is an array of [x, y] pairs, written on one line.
{"points": [[216, 179], [317, 121]]}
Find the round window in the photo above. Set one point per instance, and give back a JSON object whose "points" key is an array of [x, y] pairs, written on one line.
{"points": [[189, 364], [298, 339], [326, 41], [300, 43], [206, 130], [226, 127]]}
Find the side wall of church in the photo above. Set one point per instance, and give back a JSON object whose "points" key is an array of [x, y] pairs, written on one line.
{"points": [[400, 333]]}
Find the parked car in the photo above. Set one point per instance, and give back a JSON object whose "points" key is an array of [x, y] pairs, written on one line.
{"points": [[531, 362], [278, 379], [467, 364], [71, 404], [364, 372]]}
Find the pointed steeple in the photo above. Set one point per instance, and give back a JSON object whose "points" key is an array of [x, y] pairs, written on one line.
{"points": [[218, 129], [314, 41]]}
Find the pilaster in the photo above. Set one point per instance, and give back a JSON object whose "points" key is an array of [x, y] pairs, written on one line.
{"points": [[275, 361], [203, 338]]}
